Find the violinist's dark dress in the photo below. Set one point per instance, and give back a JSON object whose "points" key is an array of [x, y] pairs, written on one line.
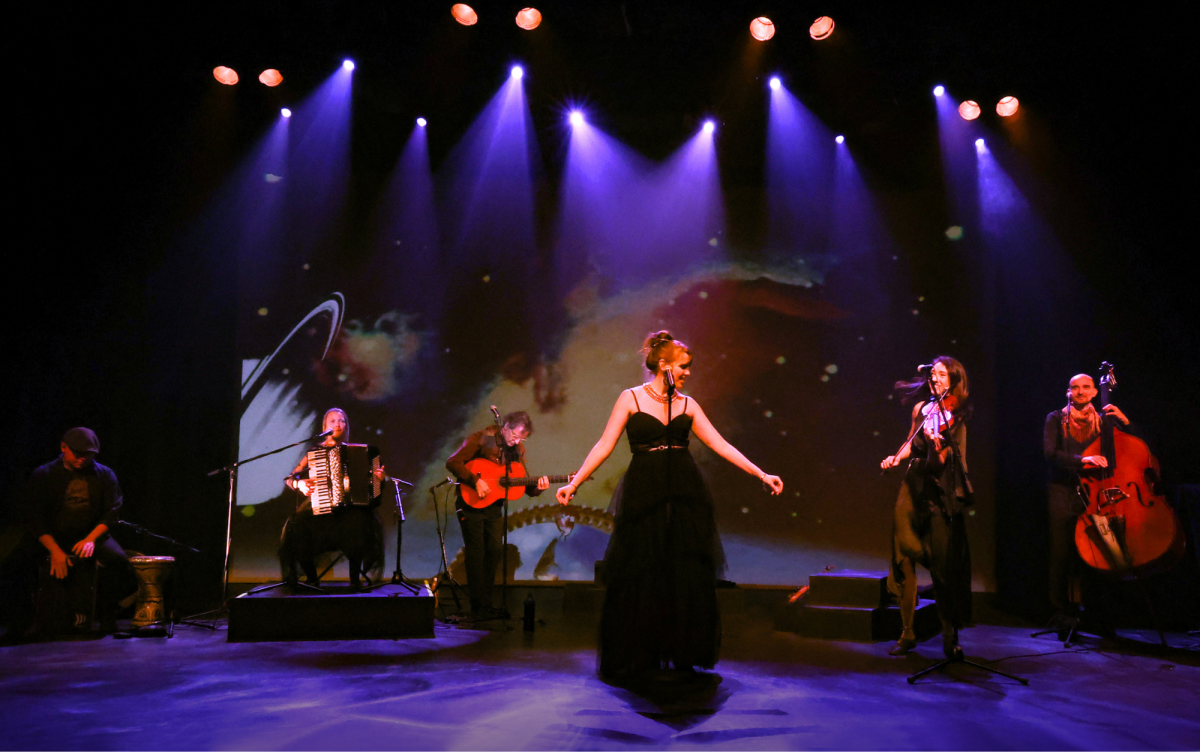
{"points": [[929, 524]]}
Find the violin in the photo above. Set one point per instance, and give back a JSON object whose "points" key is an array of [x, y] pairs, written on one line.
{"points": [[1128, 528]]}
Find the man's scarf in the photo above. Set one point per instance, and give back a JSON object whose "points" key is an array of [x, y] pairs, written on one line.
{"points": [[1083, 426]]}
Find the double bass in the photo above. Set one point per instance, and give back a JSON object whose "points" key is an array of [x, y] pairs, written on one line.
{"points": [[1128, 528]]}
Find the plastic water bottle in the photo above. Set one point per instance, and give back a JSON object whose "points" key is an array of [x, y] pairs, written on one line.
{"points": [[530, 610]]}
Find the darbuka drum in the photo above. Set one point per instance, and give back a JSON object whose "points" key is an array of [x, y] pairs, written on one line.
{"points": [[152, 573]]}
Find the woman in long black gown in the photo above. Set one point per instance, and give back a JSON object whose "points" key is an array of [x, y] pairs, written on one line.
{"points": [[664, 557], [928, 525]]}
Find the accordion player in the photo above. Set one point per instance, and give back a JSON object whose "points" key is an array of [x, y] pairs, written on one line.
{"points": [[342, 488]]}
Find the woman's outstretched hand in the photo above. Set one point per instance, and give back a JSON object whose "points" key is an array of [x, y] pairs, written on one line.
{"points": [[773, 483], [565, 493]]}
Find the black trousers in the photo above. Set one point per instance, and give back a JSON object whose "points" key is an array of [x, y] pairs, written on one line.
{"points": [[483, 541], [1096, 592]]}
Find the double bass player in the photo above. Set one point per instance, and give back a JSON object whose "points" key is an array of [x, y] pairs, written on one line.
{"points": [[1068, 433]]}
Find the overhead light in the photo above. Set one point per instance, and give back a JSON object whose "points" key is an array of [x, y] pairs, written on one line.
{"points": [[529, 18], [762, 28], [464, 14], [270, 77], [969, 110], [821, 28], [227, 76]]}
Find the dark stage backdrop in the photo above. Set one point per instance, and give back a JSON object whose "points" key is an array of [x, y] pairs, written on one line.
{"points": [[184, 350]]}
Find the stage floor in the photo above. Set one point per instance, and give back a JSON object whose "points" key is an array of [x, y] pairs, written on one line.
{"points": [[479, 689]]}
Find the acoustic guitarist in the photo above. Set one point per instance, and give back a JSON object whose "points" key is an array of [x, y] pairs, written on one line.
{"points": [[483, 527]]}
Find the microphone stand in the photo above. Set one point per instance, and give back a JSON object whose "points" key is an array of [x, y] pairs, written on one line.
{"points": [[232, 470], [444, 576], [504, 546], [172, 620], [398, 574]]}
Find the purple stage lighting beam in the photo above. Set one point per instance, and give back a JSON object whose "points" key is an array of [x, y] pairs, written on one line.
{"points": [[486, 186], [799, 176]]}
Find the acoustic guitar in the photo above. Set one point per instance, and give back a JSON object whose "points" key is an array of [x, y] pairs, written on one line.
{"points": [[493, 473]]}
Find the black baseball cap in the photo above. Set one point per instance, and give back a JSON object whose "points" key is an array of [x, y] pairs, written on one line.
{"points": [[82, 441]]}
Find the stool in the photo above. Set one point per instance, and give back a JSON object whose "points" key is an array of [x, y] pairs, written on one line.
{"points": [[69, 604]]}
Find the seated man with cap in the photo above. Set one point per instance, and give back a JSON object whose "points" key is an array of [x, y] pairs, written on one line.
{"points": [[69, 507]]}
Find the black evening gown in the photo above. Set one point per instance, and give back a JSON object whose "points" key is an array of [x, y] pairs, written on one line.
{"points": [[663, 558]]}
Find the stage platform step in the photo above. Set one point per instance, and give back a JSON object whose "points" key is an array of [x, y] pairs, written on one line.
{"points": [[854, 606], [387, 613]]}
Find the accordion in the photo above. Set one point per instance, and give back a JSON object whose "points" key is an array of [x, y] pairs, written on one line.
{"points": [[343, 475]]}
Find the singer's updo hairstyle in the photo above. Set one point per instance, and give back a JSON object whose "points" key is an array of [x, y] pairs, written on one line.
{"points": [[661, 345]]}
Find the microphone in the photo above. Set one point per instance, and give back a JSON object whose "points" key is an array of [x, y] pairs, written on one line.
{"points": [[496, 413], [446, 482], [670, 382], [926, 368]]}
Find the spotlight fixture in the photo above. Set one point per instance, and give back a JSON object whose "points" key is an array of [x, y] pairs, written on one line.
{"points": [[980, 145], [576, 118], [270, 77], [821, 28], [285, 112], [709, 126], [227, 76], [529, 18], [969, 110], [776, 83], [939, 90], [840, 139], [762, 28], [1007, 107], [464, 14], [422, 122], [347, 64], [517, 72]]}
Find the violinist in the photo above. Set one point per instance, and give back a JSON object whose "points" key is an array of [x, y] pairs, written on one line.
{"points": [[1068, 432], [928, 526]]}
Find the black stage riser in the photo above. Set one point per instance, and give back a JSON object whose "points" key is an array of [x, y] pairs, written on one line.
{"points": [[374, 616]]}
